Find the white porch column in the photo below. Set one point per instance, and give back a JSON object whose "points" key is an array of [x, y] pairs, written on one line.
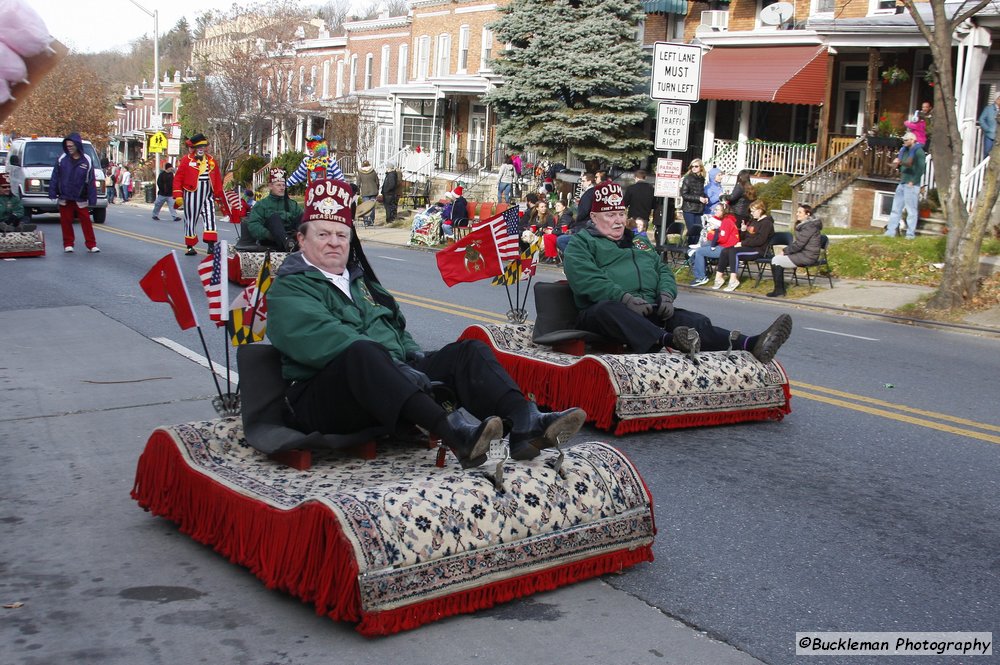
{"points": [[708, 146], [741, 149], [977, 46], [299, 143], [309, 125]]}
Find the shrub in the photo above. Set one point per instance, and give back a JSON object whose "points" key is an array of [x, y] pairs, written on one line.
{"points": [[245, 167], [775, 190], [289, 161]]}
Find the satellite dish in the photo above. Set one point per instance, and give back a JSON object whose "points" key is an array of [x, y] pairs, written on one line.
{"points": [[777, 14]]}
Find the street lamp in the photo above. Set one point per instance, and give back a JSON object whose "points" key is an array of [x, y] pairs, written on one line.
{"points": [[155, 14]]}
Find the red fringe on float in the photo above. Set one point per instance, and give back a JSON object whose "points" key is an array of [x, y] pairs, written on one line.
{"points": [[304, 552], [586, 384]]}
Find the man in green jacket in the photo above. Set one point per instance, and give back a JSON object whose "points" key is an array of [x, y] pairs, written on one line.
{"points": [[625, 292], [11, 208], [911, 162], [274, 219], [353, 364]]}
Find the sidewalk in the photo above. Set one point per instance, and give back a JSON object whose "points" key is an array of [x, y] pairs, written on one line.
{"points": [[860, 296]]}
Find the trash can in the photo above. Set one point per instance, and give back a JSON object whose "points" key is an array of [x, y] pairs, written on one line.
{"points": [[149, 189]]}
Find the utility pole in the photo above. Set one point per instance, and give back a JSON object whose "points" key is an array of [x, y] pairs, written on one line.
{"points": [[158, 119]]}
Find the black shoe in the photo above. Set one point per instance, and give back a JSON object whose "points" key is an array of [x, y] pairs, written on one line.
{"points": [[191, 251], [291, 245], [26, 228], [209, 247], [177, 219], [686, 340], [7, 228], [532, 430], [470, 439], [779, 282], [156, 218], [769, 341]]}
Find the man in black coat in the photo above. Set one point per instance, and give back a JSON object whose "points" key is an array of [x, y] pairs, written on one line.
{"points": [[390, 192], [639, 197], [165, 192]]}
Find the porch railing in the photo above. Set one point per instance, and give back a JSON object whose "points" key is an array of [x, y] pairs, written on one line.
{"points": [[972, 183], [831, 177], [260, 177], [769, 156]]}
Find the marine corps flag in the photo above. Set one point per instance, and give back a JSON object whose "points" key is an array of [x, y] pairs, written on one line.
{"points": [[472, 258], [163, 283]]}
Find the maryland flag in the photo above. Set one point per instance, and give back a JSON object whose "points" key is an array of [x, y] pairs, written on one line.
{"points": [[523, 266], [248, 313]]}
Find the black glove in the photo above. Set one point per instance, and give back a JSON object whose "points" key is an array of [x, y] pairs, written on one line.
{"points": [[415, 357], [665, 306], [636, 304], [418, 378]]}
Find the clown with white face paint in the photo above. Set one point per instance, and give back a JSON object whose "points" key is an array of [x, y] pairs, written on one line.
{"points": [[625, 292], [318, 164], [198, 186]]}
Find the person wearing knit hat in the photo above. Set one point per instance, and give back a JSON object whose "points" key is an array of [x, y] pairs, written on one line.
{"points": [[198, 187], [317, 164], [274, 219], [354, 365], [625, 292]]}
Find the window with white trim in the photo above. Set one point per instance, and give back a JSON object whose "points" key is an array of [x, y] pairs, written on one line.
{"points": [[442, 66], [352, 80], [487, 54], [340, 78], [383, 74], [423, 57], [369, 66], [824, 7], [302, 79], [882, 7], [402, 64], [326, 79], [463, 49]]}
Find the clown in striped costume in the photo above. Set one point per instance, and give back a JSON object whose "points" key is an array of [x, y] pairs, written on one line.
{"points": [[198, 186], [318, 164]]}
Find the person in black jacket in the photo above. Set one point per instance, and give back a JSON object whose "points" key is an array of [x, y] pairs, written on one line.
{"points": [[639, 197], [693, 194], [390, 192], [165, 192], [742, 195], [582, 211], [755, 236]]}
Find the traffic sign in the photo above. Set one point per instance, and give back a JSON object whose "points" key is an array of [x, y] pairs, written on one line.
{"points": [[158, 142], [676, 73], [672, 123], [668, 177]]}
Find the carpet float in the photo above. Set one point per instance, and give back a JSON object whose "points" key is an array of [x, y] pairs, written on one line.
{"points": [[634, 392], [396, 542]]}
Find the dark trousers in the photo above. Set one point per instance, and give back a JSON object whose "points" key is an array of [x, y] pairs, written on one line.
{"points": [[643, 334], [276, 227], [390, 201], [363, 387], [729, 260]]}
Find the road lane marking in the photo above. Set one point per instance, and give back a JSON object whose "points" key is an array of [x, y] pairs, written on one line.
{"points": [[390, 258], [900, 417], [834, 332], [138, 236], [419, 300], [899, 407], [220, 370]]}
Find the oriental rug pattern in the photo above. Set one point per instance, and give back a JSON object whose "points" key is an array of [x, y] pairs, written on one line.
{"points": [[417, 532]]}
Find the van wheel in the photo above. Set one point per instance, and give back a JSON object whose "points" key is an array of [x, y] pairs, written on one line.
{"points": [[99, 215]]}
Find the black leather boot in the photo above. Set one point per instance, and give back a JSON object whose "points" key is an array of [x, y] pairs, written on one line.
{"points": [[532, 430], [769, 341], [779, 282], [469, 438]]}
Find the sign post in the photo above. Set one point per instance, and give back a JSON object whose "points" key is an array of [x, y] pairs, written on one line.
{"points": [[676, 77]]}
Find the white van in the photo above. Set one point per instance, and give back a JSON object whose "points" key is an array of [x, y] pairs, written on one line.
{"points": [[30, 164]]}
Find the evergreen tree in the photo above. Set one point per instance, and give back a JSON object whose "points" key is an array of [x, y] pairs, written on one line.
{"points": [[575, 77]]}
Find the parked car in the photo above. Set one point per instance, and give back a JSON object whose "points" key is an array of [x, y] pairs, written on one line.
{"points": [[30, 165]]}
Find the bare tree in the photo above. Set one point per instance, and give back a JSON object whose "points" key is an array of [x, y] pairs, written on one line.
{"points": [[960, 278], [397, 7], [335, 13], [351, 126]]}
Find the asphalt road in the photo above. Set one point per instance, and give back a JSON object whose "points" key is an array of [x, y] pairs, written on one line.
{"points": [[872, 507]]}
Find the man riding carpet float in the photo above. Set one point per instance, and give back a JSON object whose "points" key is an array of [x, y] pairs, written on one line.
{"points": [[625, 292], [274, 219], [352, 363], [11, 209], [197, 187]]}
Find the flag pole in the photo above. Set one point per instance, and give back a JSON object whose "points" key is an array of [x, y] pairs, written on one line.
{"points": [[225, 343], [211, 369]]}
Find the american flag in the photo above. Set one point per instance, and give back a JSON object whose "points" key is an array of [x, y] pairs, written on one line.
{"points": [[506, 228], [214, 274]]}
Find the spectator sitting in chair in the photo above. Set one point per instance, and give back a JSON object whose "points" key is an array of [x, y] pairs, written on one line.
{"points": [[274, 219], [627, 294], [353, 364]]}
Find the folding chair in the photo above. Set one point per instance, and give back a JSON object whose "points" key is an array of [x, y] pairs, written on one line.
{"points": [[822, 265], [675, 253], [764, 262]]}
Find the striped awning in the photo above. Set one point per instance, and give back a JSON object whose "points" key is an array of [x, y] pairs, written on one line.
{"points": [[665, 6], [167, 105], [780, 74]]}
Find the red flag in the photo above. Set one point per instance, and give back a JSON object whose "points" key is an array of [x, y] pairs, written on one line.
{"points": [[472, 258], [163, 283]]}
